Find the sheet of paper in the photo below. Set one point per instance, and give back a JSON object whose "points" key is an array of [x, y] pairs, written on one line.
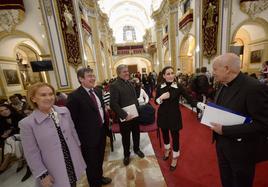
{"points": [[216, 115], [131, 110]]}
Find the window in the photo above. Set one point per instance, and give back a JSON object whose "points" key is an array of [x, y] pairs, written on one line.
{"points": [[129, 33]]}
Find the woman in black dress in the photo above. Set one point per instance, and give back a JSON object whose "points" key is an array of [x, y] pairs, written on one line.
{"points": [[169, 119]]}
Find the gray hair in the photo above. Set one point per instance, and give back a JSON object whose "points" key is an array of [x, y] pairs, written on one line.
{"points": [[120, 67], [81, 72]]}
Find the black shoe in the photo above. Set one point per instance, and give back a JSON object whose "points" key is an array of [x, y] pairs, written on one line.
{"points": [[172, 168], [19, 168], [126, 161], [165, 158], [166, 154], [27, 174], [105, 180], [139, 153]]}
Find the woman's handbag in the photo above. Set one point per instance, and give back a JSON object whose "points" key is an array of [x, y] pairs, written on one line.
{"points": [[146, 114]]}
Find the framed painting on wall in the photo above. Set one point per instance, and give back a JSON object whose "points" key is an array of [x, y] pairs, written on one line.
{"points": [[11, 76], [255, 56]]}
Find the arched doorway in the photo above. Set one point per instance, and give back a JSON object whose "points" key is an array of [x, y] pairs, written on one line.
{"points": [[136, 64], [24, 55], [251, 38], [186, 57]]}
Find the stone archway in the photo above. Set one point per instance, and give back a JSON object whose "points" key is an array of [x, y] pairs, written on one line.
{"points": [[141, 63], [186, 54], [251, 36], [24, 55]]}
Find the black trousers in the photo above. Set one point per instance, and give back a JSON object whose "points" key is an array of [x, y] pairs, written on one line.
{"points": [[175, 138], [94, 157], [125, 129], [234, 172]]}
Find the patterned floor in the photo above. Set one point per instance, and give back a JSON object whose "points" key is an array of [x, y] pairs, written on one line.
{"points": [[140, 172]]}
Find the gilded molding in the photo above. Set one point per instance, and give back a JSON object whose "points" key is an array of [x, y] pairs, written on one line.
{"points": [[5, 59]]}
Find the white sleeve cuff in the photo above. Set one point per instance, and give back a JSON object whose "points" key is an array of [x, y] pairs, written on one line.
{"points": [[159, 101]]}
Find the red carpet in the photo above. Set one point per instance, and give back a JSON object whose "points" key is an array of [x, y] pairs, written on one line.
{"points": [[197, 164]]}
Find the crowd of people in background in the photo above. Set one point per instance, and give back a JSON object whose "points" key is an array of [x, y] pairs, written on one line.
{"points": [[138, 88]]}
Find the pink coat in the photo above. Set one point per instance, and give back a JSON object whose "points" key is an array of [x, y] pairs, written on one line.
{"points": [[42, 147]]}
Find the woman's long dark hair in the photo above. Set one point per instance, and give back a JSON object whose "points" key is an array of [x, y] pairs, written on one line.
{"points": [[161, 79], [12, 110]]}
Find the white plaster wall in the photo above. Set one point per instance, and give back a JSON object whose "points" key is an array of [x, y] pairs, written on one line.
{"points": [[33, 23], [52, 78], [238, 16], [8, 44], [73, 77]]}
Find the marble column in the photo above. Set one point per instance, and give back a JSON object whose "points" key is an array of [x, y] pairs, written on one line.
{"points": [[159, 36], [172, 32], [97, 46]]}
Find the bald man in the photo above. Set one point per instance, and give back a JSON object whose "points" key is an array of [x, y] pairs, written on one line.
{"points": [[237, 144]]}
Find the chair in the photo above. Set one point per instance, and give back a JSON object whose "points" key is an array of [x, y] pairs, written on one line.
{"points": [[143, 128], [2, 152], [110, 132]]}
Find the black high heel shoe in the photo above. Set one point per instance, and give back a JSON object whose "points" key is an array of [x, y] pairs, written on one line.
{"points": [[166, 154], [172, 166]]}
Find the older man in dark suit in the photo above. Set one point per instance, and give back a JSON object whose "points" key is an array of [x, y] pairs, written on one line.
{"points": [[87, 110], [122, 94], [237, 145]]}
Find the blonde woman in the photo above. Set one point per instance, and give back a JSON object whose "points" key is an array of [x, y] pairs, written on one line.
{"points": [[50, 142]]}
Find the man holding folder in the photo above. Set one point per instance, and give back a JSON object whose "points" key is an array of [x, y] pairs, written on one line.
{"points": [[237, 144], [124, 103]]}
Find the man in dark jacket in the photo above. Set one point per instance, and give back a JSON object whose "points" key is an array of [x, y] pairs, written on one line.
{"points": [[237, 144], [123, 94], [87, 110]]}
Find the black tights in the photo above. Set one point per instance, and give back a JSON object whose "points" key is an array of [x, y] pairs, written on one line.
{"points": [[175, 138]]}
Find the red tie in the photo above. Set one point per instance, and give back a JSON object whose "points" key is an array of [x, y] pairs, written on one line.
{"points": [[93, 98]]}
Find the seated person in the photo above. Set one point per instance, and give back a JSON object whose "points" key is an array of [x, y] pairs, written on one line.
{"points": [[9, 134], [143, 98]]}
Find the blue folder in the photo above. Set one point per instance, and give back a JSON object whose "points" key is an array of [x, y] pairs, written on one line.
{"points": [[247, 120]]}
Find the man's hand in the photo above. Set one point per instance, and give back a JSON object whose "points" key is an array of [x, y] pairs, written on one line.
{"points": [[47, 181], [201, 106], [164, 96], [216, 127], [129, 117]]}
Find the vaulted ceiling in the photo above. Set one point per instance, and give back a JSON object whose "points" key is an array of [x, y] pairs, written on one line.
{"points": [[134, 13]]}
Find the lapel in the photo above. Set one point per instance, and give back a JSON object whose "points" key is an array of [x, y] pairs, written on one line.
{"points": [[86, 98], [40, 116], [217, 94], [98, 92], [128, 85], [61, 111], [234, 88]]}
